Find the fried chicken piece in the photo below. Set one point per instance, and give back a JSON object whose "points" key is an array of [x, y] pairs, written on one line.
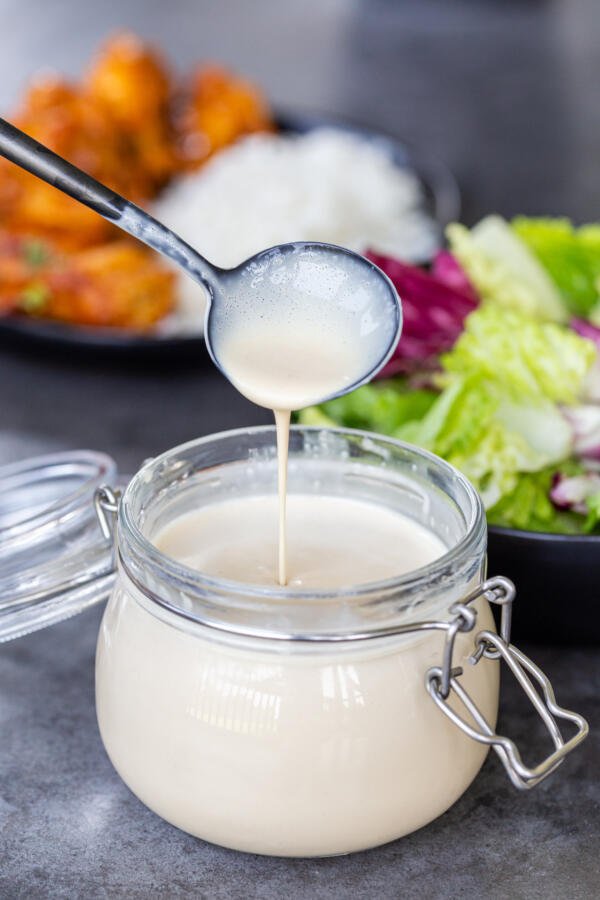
{"points": [[115, 285], [218, 108], [137, 289], [131, 82], [60, 116], [14, 273]]}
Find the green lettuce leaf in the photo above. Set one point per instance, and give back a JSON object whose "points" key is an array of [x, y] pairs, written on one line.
{"points": [[525, 357], [504, 271], [314, 416], [498, 415], [382, 407], [471, 427], [529, 508], [570, 255], [592, 520]]}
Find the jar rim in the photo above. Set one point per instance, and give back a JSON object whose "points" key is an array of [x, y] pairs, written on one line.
{"points": [[195, 582]]}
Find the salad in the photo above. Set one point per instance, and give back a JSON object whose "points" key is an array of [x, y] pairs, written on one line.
{"points": [[498, 369]]}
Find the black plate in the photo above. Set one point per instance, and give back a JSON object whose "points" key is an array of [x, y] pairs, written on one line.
{"points": [[558, 584], [442, 202]]}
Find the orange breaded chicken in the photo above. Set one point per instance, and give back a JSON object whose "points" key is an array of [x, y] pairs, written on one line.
{"points": [[59, 259], [59, 115], [115, 285], [137, 289], [131, 82], [217, 109]]}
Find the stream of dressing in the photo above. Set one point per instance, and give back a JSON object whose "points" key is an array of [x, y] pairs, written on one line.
{"points": [[285, 369]]}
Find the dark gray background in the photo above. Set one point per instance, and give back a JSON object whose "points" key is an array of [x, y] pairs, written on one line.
{"points": [[504, 92]]}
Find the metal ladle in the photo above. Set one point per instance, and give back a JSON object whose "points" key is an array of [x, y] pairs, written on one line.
{"points": [[305, 282]]}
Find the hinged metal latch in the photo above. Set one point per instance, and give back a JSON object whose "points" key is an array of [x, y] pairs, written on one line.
{"points": [[442, 681], [106, 504]]}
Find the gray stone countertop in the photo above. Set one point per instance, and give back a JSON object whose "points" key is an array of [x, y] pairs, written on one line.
{"points": [[69, 828]]}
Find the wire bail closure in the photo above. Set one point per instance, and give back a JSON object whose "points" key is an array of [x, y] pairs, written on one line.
{"points": [[442, 681]]}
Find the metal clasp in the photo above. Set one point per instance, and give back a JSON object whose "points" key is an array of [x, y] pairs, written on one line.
{"points": [[106, 504], [441, 681], [496, 590]]}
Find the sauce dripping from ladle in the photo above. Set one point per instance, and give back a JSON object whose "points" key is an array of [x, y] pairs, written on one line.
{"points": [[287, 363]]}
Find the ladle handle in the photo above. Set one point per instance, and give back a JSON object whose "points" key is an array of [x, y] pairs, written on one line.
{"points": [[29, 154]]}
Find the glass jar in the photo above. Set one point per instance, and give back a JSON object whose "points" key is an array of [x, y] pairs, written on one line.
{"points": [[306, 723], [276, 721]]}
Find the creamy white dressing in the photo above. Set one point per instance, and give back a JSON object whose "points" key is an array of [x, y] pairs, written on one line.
{"points": [[279, 366], [334, 542], [282, 425]]}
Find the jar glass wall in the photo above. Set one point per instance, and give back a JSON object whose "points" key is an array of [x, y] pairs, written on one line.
{"points": [[277, 721]]}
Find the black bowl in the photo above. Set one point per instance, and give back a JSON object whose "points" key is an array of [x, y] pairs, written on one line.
{"points": [[558, 584]]}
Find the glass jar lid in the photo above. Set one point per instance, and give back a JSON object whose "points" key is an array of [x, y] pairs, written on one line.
{"points": [[54, 559]]}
